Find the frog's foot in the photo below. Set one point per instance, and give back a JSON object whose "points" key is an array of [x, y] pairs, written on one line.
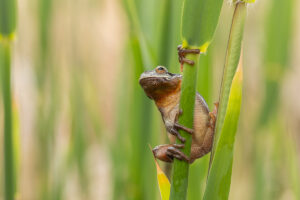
{"points": [[174, 152], [168, 152], [213, 116], [182, 53]]}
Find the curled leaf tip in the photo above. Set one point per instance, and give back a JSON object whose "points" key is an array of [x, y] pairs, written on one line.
{"points": [[163, 182]]}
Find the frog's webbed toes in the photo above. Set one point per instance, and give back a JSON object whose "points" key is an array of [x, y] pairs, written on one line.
{"points": [[162, 153], [174, 152]]}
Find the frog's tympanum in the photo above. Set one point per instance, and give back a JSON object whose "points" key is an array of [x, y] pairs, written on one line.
{"points": [[165, 88]]}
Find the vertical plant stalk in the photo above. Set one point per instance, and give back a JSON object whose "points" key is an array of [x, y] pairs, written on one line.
{"points": [[9, 167], [198, 23], [187, 100], [7, 30]]}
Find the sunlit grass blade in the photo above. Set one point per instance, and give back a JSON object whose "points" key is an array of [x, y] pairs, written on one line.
{"points": [[163, 183], [219, 178]]}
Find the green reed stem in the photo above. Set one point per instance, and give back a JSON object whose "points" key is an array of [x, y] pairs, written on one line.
{"points": [[9, 167], [187, 100]]}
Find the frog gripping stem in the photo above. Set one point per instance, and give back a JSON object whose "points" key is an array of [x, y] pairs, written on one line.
{"points": [[182, 53]]}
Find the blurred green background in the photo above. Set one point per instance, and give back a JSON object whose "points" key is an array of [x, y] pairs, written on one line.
{"points": [[83, 124]]}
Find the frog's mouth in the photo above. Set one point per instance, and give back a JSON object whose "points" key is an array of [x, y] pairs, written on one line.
{"points": [[158, 81], [158, 85]]}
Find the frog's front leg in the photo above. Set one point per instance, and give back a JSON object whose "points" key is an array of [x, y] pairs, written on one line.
{"points": [[182, 53]]}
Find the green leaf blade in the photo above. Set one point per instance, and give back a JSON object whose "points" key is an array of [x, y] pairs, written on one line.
{"points": [[199, 22], [219, 179], [231, 63]]}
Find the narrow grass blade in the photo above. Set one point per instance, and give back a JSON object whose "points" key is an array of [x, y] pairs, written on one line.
{"points": [[219, 178], [9, 159]]}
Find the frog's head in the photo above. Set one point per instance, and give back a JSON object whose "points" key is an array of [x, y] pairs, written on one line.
{"points": [[159, 82]]}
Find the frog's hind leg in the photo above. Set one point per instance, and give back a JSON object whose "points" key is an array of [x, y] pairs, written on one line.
{"points": [[205, 148], [213, 116]]}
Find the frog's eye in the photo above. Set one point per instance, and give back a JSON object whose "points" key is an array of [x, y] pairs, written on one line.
{"points": [[160, 70]]}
